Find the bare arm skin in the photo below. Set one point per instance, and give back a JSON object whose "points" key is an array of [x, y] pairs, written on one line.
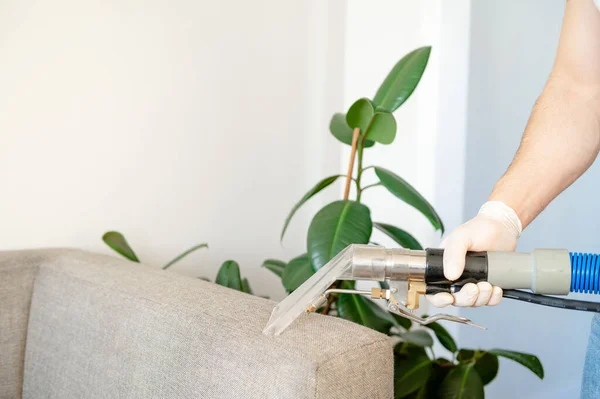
{"points": [[562, 137]]}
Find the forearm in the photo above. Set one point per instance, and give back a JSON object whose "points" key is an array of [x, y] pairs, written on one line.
{"points": [[562, 137], [560, 143]]}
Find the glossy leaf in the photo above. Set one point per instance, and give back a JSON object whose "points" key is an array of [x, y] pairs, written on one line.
{"points": [[336, 226], [486, 363], [382, 128], [462, 382], [246, 286], [316, 189], [359, 115], [119, 244], [407, 193], [465, 355], [275, 265], [364, 311], [418, 337], [530, 361], [402, 321], [487, 367], [344, 133], [430, 389], [183, 255], [408, 349], [229, 275], [402, 80], [443, 336], [411, 372], [403, 238], [296, 272]]}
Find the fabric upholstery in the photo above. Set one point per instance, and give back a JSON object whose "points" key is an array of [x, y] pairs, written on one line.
{"points": [[101, 327], [16, 286]]}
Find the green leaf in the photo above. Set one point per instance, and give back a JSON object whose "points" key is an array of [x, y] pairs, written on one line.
{"points": [[382, 128], [407, 193], [429, 390], [462, 382], [411, 372], [443, 336], [486, 363], [229, 275], [316, 189], [359, 115], [403, 238], [487, 367], [275, 265], [363, 311], [465, 355], [183, 255], [402, 321], [246, 286], [417, 337], [341, 131], [297, 271], [119, 244], [530, 361], [336, 226], [402, 80]]}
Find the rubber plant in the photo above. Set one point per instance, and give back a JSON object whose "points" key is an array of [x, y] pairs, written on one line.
{"points": [[228, 275], [418, 373]]}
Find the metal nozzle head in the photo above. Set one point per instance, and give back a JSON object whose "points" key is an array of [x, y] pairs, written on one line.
{"points": [[310, 294]]}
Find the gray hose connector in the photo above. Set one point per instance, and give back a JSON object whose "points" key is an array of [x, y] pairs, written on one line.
{"points": [[544, 271]]}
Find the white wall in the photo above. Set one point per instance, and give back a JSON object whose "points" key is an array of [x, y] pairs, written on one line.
{"points": [[512, 51], [185, 122], [173, 122]]}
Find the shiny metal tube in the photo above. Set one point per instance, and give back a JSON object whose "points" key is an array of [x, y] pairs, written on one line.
{"points": [[378, 264]]}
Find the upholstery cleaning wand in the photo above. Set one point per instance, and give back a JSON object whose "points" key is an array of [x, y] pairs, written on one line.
{"points": [[410, 273]]}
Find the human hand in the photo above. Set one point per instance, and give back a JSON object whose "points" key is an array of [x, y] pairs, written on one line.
{"points": [[495, 228]]}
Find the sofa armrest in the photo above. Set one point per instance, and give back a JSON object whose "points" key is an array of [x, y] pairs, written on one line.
{"points": [[105, 327]]}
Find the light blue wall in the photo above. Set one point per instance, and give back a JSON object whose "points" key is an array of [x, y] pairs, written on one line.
{"points": [[512, 51]]}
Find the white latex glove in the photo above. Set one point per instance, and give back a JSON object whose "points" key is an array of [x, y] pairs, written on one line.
{"points": [[495, 228]]}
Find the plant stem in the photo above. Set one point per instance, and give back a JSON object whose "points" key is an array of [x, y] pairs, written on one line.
{"points": [[330, 300], [359, 190], [371, 185], [432, 353], [355, 135]]}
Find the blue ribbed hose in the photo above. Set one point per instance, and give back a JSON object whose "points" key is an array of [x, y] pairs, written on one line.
{"points": [[585, 278], [585, 273]]}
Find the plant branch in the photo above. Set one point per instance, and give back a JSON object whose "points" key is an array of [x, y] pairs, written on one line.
{"points": [[355, 135], [446, 364], [432, 353], [371, 185], [330, 300], [368, 167], [361, 147]]}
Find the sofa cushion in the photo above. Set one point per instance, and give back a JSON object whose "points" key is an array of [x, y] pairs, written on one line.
{"points": [[17, 273]]}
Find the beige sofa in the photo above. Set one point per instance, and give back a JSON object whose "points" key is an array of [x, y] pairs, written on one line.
{"points": [[80, 325]]}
